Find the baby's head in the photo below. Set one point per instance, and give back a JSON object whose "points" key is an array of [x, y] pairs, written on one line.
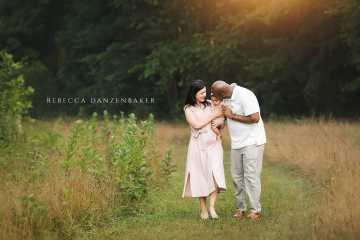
{"points": [[216, 101]]}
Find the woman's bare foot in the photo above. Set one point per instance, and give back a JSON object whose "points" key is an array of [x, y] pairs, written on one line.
{"points": [[213, 213], [204, 214]]}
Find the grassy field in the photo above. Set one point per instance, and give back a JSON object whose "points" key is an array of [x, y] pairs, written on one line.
{"points": [[287, 202], [309, 184]]}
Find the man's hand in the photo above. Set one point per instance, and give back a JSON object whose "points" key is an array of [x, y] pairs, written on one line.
{"points": [[252, 118], [227, 111]]}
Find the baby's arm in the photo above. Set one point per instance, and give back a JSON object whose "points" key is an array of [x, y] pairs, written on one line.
{"points": [[216, 129], [219, 122], [222, 125]]}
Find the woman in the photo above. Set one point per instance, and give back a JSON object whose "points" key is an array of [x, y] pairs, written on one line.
{"points": [[204, 174]]}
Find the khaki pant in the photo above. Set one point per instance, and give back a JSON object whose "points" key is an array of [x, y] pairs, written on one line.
{"points": [[246, 165]]}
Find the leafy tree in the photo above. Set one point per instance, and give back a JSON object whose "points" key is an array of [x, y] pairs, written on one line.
{"points": [[300, 57]]}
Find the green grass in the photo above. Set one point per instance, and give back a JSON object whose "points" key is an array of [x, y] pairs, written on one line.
{"points": [[287, 201]]}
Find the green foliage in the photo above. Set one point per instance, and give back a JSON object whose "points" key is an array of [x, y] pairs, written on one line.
{"points": [[166, 166], [124, 162], [300, 57], [14, 101], [34, 214], [72, 146], [128, 158], [80, 174]]}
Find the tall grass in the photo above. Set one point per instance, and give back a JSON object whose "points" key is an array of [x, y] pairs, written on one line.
{"points": [[67, 177], [72, 176], [325, 151], [328, 152]]}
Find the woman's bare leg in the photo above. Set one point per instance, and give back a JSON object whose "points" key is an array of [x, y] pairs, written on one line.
{"points": [[213, 197], [202, 203], [203, 209]]}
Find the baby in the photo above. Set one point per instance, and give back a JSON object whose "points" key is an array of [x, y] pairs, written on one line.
{"points": [[218, 123]]}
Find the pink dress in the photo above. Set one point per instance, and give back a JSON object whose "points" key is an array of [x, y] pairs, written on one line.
{"points": [[204, 159]]}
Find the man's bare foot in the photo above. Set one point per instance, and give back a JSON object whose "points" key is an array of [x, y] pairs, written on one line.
{"points": [[239, 214], [254, 215]]}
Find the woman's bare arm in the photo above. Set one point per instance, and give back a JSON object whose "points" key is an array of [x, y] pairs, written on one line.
{"points": [[195, 122]]}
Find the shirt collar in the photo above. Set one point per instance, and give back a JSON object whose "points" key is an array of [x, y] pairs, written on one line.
{"points": [[233, 93]]}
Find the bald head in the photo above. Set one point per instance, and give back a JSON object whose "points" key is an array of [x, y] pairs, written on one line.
{"points": [[221, 88]]}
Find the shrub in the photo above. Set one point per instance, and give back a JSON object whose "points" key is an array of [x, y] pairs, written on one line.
{"points": [[13, 98]]}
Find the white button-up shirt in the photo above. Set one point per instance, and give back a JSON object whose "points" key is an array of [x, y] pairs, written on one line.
{"points": [[244, 102]]}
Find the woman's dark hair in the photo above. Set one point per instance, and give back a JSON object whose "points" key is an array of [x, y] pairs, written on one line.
{"points": [[195, 86]]}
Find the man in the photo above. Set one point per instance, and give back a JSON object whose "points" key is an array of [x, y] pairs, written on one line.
{"points": [[247, 134]]}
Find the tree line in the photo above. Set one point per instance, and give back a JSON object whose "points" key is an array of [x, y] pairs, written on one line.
{"points": [[301, 57]]}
